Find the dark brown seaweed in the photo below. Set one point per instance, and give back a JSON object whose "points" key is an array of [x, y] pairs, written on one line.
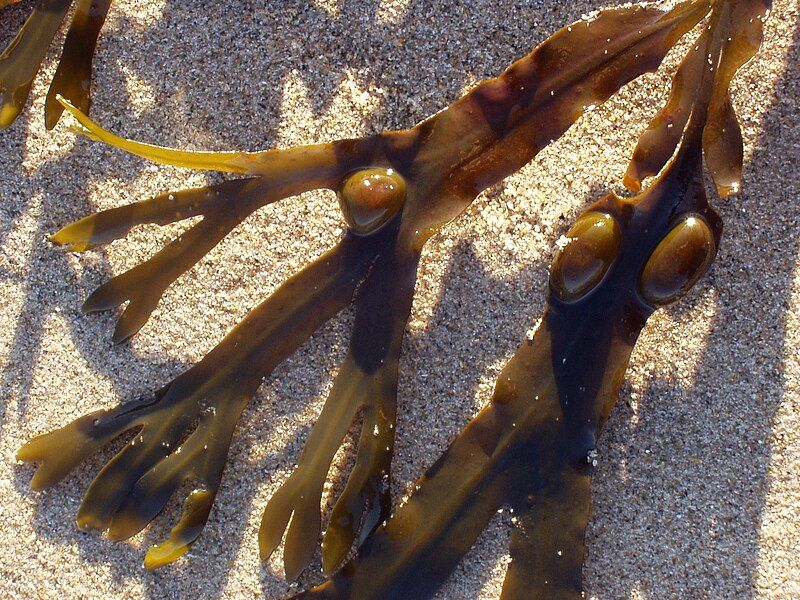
{"points": [[396, 189], [23, 57], [533, 446]]}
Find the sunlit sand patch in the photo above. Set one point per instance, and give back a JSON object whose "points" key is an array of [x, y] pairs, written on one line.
{"points": [[140, 91], [392, 13], [344, 117], [332, 7]]}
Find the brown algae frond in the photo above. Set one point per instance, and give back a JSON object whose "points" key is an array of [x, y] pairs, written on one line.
{"points": [[23, 57], [533, 447], [395, 189]]}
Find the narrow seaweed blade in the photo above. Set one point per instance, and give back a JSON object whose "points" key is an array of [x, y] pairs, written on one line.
{"points": [[201, 407], [738, 31], [73, 77], [21, 60], [367, 381]]}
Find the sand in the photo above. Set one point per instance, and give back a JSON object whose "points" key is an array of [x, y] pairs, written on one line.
{"points": [[697, 492]]}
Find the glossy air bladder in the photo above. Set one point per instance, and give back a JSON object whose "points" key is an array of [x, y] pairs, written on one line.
{"points": [[679, 260], [369, 198], [591, 246]]}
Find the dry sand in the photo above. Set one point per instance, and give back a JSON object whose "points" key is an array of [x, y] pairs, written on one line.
{"points": [[697, 494]]}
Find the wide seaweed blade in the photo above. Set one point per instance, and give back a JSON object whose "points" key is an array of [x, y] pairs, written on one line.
{"points": [[547, 543]]}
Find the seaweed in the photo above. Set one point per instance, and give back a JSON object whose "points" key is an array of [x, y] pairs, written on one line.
{"points": [[395, 190], [23, 57], [533, 448]]}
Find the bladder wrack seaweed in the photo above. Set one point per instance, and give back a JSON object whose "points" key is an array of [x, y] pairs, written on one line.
{"points": [[395, 190], [533, 446]]}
